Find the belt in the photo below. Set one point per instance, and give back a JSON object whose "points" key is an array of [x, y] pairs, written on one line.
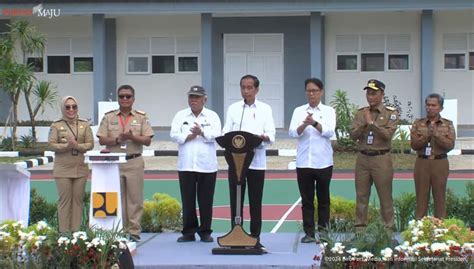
{"points": [[131, 156], [374, 152], [434, 157]]}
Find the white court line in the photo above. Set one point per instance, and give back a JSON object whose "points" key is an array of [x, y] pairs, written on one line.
{"points": [[283, 218]]}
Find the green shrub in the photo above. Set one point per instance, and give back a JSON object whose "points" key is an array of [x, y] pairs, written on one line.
{"points": [[6, 144], [149, 219], [163, 212], [169, 214], [40, 209], [342, 213], [404, 207]]}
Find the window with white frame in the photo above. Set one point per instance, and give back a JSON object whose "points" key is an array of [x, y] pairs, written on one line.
{"points": [[398, 51], [457, 50], [65, 55], [347, 49], [376, 52], [81, 48], [36, 63], [168, 55], [471, 51], [58, 51], [138, 50]]}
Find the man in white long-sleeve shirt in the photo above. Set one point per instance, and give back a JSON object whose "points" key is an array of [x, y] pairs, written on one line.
{"points": [[255, 117], [313, 124], [195, 129]]}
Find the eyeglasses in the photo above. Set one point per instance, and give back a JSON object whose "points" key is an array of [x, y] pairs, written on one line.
{"points": [[312, 91], [125, 96], [73, 107]]}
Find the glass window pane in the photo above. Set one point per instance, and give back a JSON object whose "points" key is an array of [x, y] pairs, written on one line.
{"points": [[59, 65], [471, 60], [188, 64], [162, 64], [36, 63], [347, 62], [398, 62], [83, 64], [454, 61], [372, 61], [137, 64]]}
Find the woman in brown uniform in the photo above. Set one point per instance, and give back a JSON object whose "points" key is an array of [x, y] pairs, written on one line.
{"points": [[70, 137]]}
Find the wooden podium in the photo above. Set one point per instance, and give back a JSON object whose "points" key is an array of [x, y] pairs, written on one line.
{"points": [[105, 207], [14, 193], [239, 151]]}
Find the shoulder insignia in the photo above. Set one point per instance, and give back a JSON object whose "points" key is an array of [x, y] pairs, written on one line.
{"points": [[448, 121], [363, 107], [111, 111], [140, 112], [390, 108]]}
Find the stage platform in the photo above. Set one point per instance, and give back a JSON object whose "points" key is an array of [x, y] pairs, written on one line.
{"points": [[162, 251]]}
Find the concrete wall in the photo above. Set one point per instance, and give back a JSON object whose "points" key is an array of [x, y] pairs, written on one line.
{"points": [[296, 55], [160, 95], [77, 85], [405, 84], [454, 84]]}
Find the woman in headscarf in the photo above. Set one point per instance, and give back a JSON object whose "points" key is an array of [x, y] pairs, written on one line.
{"points": [[70, 137]]}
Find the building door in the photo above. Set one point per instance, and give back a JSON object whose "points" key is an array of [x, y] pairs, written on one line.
{"points": [[260, 55]]}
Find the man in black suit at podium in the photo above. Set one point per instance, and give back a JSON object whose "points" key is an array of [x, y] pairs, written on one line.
{"points": [[256, 117]]}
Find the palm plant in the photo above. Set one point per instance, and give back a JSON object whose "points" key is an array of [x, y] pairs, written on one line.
{"points": [[15, 75], [45, 94]]}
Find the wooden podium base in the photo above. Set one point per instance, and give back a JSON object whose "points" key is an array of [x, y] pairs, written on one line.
{"points": [[237, 251], [237, 241]]}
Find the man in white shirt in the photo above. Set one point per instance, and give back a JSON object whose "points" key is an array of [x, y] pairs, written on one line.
{"points": [[195, 129], [313, 124], [255, 117]]}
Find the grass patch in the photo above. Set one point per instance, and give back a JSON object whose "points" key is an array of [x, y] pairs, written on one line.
{"points": [[12, 160]]}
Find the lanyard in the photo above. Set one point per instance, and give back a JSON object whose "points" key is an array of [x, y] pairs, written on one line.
{"points": [[77, 130], [127, 119]]}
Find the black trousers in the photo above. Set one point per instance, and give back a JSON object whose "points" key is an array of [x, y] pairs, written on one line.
{"points": [[306, 184], [202, 184], [255, 180]]}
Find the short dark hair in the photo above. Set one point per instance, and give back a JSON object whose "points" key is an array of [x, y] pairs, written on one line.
{"points": [[126, 87], [256, 82], [315, 81], [435, 96]]}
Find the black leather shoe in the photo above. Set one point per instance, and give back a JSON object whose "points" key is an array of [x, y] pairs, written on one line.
{"points": [[135, 238], [262, 247], [186, 238], [207, 238], [308, 239]]}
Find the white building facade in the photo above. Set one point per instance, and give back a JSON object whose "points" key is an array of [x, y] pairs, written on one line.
{"points": [[161, 48]]}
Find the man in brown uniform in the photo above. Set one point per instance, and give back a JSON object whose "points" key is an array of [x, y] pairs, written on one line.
{"points": [[373, 128], [127, 130], [432, 137]]}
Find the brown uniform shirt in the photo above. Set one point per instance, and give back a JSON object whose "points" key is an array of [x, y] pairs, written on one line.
{"points": [[66, 164], [441, 136], [385, 123], [111, 126]]}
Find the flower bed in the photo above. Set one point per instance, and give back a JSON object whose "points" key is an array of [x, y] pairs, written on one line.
{"points": [[428, 243], [40, 246]]}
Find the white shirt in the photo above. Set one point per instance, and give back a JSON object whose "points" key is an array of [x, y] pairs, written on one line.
{"points": [[256, 119], [314, 147], [198, 154]]}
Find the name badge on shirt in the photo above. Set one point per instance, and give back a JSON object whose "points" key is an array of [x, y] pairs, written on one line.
{"points": [[428, 150], [370, 138]]}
